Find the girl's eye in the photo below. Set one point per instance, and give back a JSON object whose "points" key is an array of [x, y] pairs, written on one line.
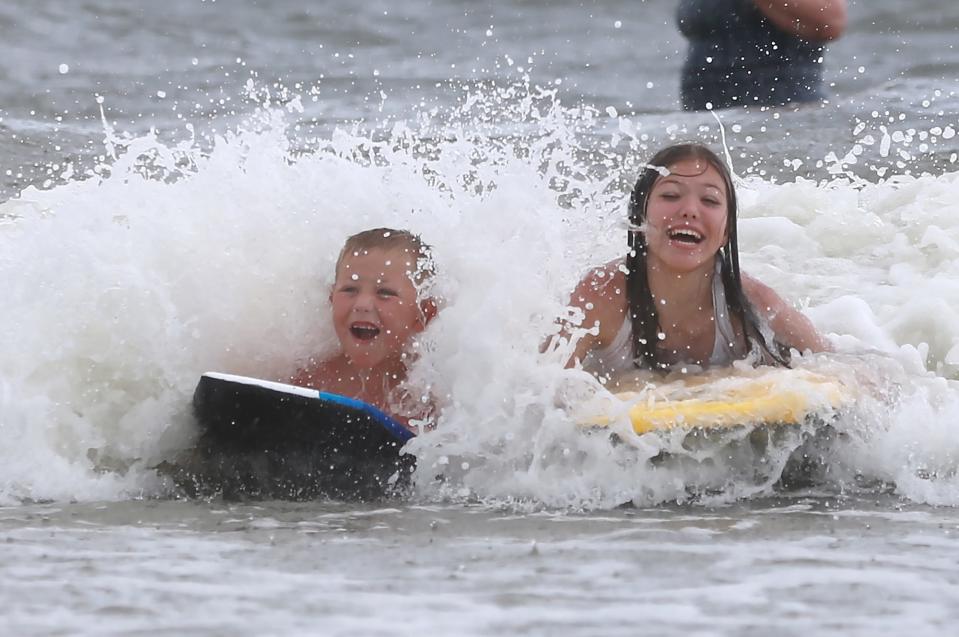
{"points": [[386, 292], [670, 195], [348, 289], [712, 201]]}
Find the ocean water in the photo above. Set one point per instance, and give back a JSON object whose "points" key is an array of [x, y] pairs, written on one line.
{"points": [[177, 181]]}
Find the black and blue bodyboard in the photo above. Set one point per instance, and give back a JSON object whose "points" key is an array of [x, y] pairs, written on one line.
{"points": [[260, 439]]}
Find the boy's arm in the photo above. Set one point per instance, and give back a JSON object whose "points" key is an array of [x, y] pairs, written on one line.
{"points": [[303, 378], [315, 375]]}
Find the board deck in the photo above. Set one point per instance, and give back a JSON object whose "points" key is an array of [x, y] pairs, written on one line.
{"points": [[275, 441], [268, 440], [772, 397]]}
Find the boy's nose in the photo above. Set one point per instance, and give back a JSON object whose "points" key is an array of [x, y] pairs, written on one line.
{"points": [[363, 302]]}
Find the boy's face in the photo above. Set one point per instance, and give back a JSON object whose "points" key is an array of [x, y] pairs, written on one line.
{"points": [[374, 304]]}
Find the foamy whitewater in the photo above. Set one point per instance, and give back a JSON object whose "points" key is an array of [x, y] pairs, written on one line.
{"points": [[172, 260], [181, 212]]}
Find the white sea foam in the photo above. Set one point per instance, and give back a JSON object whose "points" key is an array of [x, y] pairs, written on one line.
{"points": [[121, 288]]}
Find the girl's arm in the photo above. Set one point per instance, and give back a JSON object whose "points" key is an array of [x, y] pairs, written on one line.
{"points": [[601, 296], [791, 326]]}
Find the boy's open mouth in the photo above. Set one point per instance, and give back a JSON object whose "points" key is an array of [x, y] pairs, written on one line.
{"points": [[364, 331], [685, 235]]}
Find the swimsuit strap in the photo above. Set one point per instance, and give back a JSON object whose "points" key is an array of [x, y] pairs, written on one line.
{"points": [[725, 349]]}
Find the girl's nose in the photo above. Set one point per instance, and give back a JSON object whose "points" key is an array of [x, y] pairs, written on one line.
{"points": [[690, 208]]}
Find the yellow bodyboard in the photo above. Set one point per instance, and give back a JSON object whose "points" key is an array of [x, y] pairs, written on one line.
{"points": [[768, 397]]}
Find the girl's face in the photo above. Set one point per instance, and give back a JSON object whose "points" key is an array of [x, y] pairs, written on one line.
{"points": [[375, 310], [686, 217]]}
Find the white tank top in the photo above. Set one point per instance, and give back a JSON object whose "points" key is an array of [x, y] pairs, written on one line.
{"points": [[617, 357]]}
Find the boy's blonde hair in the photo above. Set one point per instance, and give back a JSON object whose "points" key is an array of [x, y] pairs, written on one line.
{"points": [[421, 266]]}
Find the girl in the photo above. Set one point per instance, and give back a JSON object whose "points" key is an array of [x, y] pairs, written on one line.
{"points": [[678, 299]]}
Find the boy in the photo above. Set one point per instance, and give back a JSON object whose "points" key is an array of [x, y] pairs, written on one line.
{"points": [[376, 312]]}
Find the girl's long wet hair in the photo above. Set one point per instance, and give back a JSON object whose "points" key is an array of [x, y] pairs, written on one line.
{"points": [[642, 309]]}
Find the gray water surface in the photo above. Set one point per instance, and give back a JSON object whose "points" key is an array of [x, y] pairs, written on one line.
{"points": [[179, 62], [796, 566]]}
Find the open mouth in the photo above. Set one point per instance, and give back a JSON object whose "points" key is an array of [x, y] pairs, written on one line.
{"points": [[364, 331], [685, 235]]}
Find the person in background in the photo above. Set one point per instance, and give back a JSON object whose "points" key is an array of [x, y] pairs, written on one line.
{"points": [[755, 52]]}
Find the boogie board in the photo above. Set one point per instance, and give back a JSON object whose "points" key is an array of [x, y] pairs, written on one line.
{"points": [[271, 440], [767, 396]]}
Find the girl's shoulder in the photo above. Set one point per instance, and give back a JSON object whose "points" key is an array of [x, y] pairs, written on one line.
{"points": [[791, 326], [606, 279], [601, 295], [765, 299]]}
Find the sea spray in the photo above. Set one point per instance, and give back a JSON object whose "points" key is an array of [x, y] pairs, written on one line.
{"points": [[170, 260]]}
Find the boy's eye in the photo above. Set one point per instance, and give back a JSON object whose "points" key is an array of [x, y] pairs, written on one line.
{"points": [[349, 289], [386, 292]]}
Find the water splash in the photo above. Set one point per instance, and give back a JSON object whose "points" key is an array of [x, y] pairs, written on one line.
{"points": [[168, 260]]}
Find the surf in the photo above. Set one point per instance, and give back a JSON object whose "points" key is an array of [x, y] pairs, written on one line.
{"points": [[128, 281]]}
